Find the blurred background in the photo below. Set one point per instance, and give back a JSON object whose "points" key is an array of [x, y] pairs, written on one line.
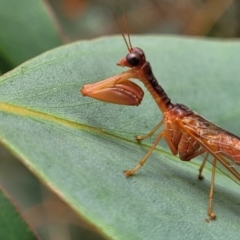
{"points": [[89, 19], [28, 28]]}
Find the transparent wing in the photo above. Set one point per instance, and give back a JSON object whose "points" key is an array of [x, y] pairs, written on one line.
{"points": [[218, 142]]}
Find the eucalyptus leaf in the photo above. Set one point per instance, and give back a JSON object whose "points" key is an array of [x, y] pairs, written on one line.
{"points": [[79, 146], [10, 219], [27, 29]]}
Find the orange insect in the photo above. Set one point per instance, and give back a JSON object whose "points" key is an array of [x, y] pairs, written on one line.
{"points": [[187, 133]]}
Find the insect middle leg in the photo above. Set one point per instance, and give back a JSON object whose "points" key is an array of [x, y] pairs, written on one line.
{"points": [[129, 173], [139, 138]]}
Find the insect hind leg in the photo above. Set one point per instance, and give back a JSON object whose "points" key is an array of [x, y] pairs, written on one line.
{"points": [[200, 176], [211, 214]]}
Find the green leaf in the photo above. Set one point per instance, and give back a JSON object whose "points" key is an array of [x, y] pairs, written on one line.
{"points": [[79, 146], [27, 29], [12, 225]]}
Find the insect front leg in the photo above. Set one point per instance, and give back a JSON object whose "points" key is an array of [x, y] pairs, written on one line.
{"points": [[139, 138]]}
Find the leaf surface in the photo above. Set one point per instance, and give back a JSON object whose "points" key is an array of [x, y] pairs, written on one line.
{"points": [[79, 146]]}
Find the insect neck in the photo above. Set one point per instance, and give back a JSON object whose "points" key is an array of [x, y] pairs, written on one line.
{"points": [[157, 92]]}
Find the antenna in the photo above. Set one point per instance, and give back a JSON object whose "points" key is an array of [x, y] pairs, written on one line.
{"points": [[127, 30], [129, 46]]}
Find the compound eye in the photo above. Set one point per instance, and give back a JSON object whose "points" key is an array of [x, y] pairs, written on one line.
{"points": [[133, 59]]}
